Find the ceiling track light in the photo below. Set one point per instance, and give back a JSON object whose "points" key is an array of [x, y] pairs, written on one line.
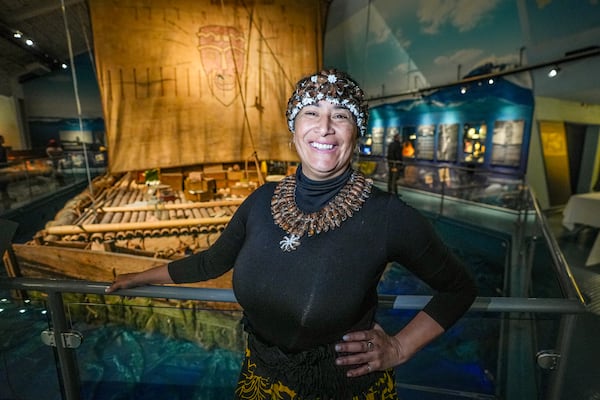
{"points": [[42, 61], [553, 72]]}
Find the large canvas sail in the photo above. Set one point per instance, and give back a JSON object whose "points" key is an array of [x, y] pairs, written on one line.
{"points": [[187, 82]]}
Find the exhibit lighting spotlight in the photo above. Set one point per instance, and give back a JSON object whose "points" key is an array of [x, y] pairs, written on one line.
{"points": [[491, 81], [29, 42], [553, 72], [463, 90]]}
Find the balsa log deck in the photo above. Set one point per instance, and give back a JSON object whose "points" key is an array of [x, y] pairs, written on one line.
{"points": [[119, 233], [121, 229]]}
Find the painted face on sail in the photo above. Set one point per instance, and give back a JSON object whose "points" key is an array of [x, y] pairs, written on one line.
{"points": [[222, 54], [325, 137]]}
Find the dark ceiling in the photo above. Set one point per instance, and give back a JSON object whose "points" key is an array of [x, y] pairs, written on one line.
{"points": [[44, 22]]}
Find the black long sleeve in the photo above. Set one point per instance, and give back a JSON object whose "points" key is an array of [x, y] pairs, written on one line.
{"points": [[328, 285]]}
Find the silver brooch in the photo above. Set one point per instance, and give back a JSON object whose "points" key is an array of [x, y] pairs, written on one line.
{"points": [[290, 243]]}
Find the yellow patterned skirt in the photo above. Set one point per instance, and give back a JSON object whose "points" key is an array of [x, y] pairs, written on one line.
{"points": [[256, 386]]}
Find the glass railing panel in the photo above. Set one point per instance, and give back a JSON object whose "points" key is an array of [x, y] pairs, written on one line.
{"points": [[156, 349], [134, 349], [544, 281], [484, 356], [463, 360], [25, 359], [493, 188], [507, 253], [485, 253], [29, 179]]}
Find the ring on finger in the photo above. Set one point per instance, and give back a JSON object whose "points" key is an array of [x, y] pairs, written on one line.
{"points": [[370, 346], [368, 367]]}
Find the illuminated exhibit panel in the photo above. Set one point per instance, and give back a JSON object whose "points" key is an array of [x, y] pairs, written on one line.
{"points": [[486, 127]]}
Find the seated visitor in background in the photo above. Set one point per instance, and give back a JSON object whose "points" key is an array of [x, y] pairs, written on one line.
{"points": [[55, 154]]}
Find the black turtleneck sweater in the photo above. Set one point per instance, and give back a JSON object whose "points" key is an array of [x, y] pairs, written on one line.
{"points": [[327, 286]]}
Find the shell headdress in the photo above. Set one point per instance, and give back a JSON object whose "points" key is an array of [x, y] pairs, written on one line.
{"points": [[334, 86]]}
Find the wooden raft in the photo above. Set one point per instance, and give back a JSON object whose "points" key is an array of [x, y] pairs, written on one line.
{"points": [[118, 231]]}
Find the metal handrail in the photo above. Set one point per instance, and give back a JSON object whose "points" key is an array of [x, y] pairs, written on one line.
{"points": [[180, 292]]}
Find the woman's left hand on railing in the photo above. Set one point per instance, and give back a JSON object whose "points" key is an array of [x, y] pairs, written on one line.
{"points": [[154, 275]]}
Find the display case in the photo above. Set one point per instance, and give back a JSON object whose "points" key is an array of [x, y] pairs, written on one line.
{"points": [[389, 135], [377, 141], [474, 137], [409, 140], [507, 141], [425, 142], [447, 144]]}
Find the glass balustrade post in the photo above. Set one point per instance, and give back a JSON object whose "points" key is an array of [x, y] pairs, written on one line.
{"points": [[565, 338], [68, 370]]}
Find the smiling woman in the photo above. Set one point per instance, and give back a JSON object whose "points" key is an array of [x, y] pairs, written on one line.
{"points": [[307, 254]]}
